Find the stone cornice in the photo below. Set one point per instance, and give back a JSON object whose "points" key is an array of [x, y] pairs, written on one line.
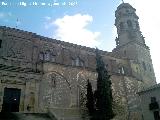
{"points": [[132, 42]]}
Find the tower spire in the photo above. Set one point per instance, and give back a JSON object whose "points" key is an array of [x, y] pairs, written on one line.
{"points": [[122, 1]]}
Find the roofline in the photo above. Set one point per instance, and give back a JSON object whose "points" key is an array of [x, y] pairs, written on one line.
{"points": [[54, 40], [149, 89]]}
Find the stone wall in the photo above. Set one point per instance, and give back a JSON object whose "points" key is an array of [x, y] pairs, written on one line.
{"points": [[145, 99], [27, 83], [53, 74], [66, 85], [126, 100]]}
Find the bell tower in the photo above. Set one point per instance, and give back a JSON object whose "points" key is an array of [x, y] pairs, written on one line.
{"points": [[130, 42], [127, 25]]}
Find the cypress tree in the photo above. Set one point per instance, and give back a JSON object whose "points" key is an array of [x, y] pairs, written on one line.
{"points": [[103, 93], [90, 99]]}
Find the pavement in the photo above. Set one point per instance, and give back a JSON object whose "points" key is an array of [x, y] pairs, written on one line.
{"points": [[26, 116]]}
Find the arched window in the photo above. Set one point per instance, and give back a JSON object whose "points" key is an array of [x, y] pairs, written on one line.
{"points": [[144, 66], [77, 62], [121, 70], [47, 56], [53, 58], [73, 62], [121, 25], [150, 69], [117, 41], [137, 25], [137, 70], [120, 13], [129, 23], [125, 52]]}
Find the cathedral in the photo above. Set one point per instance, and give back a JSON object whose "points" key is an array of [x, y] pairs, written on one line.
{"points": [[40, 74]]}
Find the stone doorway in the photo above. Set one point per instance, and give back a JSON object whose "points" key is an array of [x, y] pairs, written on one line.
{"points": [[11, 100]]}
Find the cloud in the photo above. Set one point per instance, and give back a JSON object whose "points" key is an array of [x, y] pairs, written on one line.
{"points": [[4, 15], [74, 29], [48, 22], [149, 18]]}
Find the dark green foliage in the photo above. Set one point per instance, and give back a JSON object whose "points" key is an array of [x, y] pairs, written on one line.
{"points": [[90, 99], [103, 94], [153, 106]]}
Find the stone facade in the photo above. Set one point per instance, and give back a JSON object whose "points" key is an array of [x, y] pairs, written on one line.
{"points": [[150, 101], [52, 74]]}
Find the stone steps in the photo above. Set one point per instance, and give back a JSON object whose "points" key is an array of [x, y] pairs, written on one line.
{"points": [[66, 114]]}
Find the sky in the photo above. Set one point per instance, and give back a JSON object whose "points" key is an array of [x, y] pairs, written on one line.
{"points": [[84, 22]]}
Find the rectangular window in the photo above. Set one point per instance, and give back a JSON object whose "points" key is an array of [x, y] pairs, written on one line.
{"points": [[47, 56], [77, 62], [73, 62], [41, 56], [53, 58], [0, 43]]}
